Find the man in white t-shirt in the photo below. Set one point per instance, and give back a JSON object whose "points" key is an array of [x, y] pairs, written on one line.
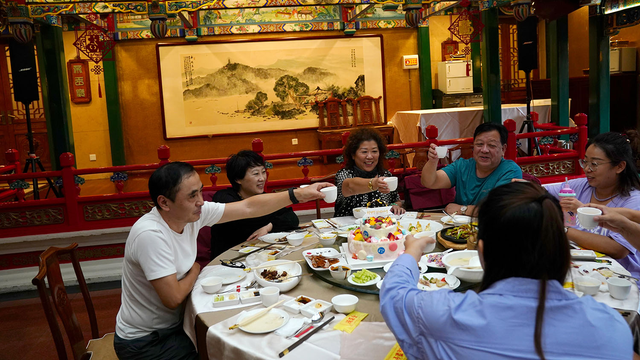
{"points": [[159, 267]]}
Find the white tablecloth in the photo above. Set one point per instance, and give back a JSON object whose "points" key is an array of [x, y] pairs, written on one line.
{"points": [[629, 304], [453, 123]]}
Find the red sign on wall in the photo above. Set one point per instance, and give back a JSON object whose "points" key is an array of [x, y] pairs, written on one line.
{"points": [[79, 82]]}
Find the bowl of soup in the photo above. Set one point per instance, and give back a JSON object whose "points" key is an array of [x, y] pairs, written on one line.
{"points": [[460, 260]]}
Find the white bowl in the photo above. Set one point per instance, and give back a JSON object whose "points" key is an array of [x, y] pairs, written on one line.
{"points": [[327, 239], [296, 239], [292, 269], [340, 272], [431, 246], [619, 288], [344, 303], [469, 275], [359, 212], [212, 284], [587, 285]]}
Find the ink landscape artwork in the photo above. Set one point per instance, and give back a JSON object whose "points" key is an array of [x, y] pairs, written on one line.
{"points": [[243, 87]]}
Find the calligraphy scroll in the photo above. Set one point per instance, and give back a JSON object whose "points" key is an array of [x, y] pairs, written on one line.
{"points": [[79, 82]]}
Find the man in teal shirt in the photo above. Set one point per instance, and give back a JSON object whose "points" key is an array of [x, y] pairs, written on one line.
{"points": [[473, 178]]}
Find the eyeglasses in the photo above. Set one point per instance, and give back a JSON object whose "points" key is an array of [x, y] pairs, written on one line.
{"points": [[592, 166]]}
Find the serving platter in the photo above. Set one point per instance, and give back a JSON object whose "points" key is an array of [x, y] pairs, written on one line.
{"points": [[427, 225], [271, 321], [326, 252]]}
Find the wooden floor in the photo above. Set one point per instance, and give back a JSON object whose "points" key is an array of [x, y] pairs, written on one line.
{"points": [[25, 333]]}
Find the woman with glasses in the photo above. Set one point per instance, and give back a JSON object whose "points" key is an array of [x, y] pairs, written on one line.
{"points": [[611, 179], [521, 310]]}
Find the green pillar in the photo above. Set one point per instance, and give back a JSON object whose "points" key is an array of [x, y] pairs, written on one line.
{"points": [[599, 82], [55, 91], [476, 58], [116, 138], [558, 67], [424, 59], [491, 66]]}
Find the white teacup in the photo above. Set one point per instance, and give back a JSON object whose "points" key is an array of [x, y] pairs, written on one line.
{"points": [[442, 151], [269, 295], [586, 215], [330, 193], [392, 182], [431, 246]]}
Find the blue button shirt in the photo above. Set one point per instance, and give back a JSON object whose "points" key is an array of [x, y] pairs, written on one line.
{"points": [[470, 189], [499, 322]]}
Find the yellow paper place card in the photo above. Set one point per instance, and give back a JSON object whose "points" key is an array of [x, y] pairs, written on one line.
{"points": [[396, 353], [350, 322]]}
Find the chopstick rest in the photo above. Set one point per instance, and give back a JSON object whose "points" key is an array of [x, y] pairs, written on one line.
{"points": [[255, 316], [304, 338]]}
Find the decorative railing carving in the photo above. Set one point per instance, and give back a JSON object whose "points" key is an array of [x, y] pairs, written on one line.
{"points": [[131, 209], [32, 217]]}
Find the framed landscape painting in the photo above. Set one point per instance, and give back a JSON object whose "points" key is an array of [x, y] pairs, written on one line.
{"points": [[218, 88]]}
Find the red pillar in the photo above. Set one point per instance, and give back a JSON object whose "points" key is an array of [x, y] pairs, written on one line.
{"points": [[69, 183], [511, 140], [583, 136], [164, 152]]}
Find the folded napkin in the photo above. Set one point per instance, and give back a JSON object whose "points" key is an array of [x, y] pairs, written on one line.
{"points": [[292, 326]]}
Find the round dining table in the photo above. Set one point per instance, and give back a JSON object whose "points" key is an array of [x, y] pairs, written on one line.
{"points": [[208, 326]]}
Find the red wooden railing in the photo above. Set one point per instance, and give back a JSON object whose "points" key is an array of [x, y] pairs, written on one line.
{"points": [[74, 212]]}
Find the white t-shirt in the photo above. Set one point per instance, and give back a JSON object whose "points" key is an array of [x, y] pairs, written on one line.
{"points": [[154, 251]]}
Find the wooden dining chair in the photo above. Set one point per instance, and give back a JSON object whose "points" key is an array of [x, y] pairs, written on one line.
{"points": [[55, 299]]}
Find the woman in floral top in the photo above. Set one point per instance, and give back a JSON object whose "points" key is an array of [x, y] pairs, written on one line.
{"points": [[361, 183]]}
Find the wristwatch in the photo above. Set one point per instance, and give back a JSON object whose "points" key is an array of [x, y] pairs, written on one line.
{"points": [[463, 209]]}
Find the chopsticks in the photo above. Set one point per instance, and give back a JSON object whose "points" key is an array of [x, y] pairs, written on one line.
{"points": [[304, 338], [272, 265], [256, 316]]}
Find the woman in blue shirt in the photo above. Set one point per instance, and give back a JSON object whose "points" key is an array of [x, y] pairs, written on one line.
{"points": [[521, 310]]}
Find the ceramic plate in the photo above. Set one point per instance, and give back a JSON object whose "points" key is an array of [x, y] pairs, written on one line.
{"points": [[422, 267], [591, 267], [327, 252], [275, 238], [271, 321], [460, 219], [431, 263], [427, 225], [452, 281], [368, 283], [228, 275]]}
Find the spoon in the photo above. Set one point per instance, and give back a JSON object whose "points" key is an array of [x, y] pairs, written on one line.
{"points": [[314, 320], [450, 216]]}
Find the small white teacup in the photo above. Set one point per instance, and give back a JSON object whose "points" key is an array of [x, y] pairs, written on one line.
{"points": [[619, 288], [442, 151], [431, 246], [586, 215], [330, 194], [269, 295], [392, 182]]}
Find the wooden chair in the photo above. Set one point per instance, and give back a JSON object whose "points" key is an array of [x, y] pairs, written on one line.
{"points": [[336, 122], [55, 300], [366, 112]]}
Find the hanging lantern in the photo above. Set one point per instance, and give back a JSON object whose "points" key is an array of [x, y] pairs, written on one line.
{"points": [[413, 17], [159, 27], [521, 10]]}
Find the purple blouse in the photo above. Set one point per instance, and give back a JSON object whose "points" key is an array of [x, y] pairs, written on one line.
{"points": [[584, 191]]}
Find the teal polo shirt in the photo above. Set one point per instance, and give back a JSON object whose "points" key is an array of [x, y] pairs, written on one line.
{"points": [[470, 189]]}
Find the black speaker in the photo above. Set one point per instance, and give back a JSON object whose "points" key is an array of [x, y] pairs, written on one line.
{"points": [[528, 44], [23, 72]]}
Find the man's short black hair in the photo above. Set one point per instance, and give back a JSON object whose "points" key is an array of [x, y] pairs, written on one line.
{"points": [[489, 126], [238, 164], [166, 180]]}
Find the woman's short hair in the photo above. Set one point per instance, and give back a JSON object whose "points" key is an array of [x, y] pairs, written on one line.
{"points": [[166, 180], [522, 232], [618, 149], [238, 164], [357, 137]]}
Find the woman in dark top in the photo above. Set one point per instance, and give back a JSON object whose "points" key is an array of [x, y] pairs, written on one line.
{"points": [[361, 182], [247, 175]]}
